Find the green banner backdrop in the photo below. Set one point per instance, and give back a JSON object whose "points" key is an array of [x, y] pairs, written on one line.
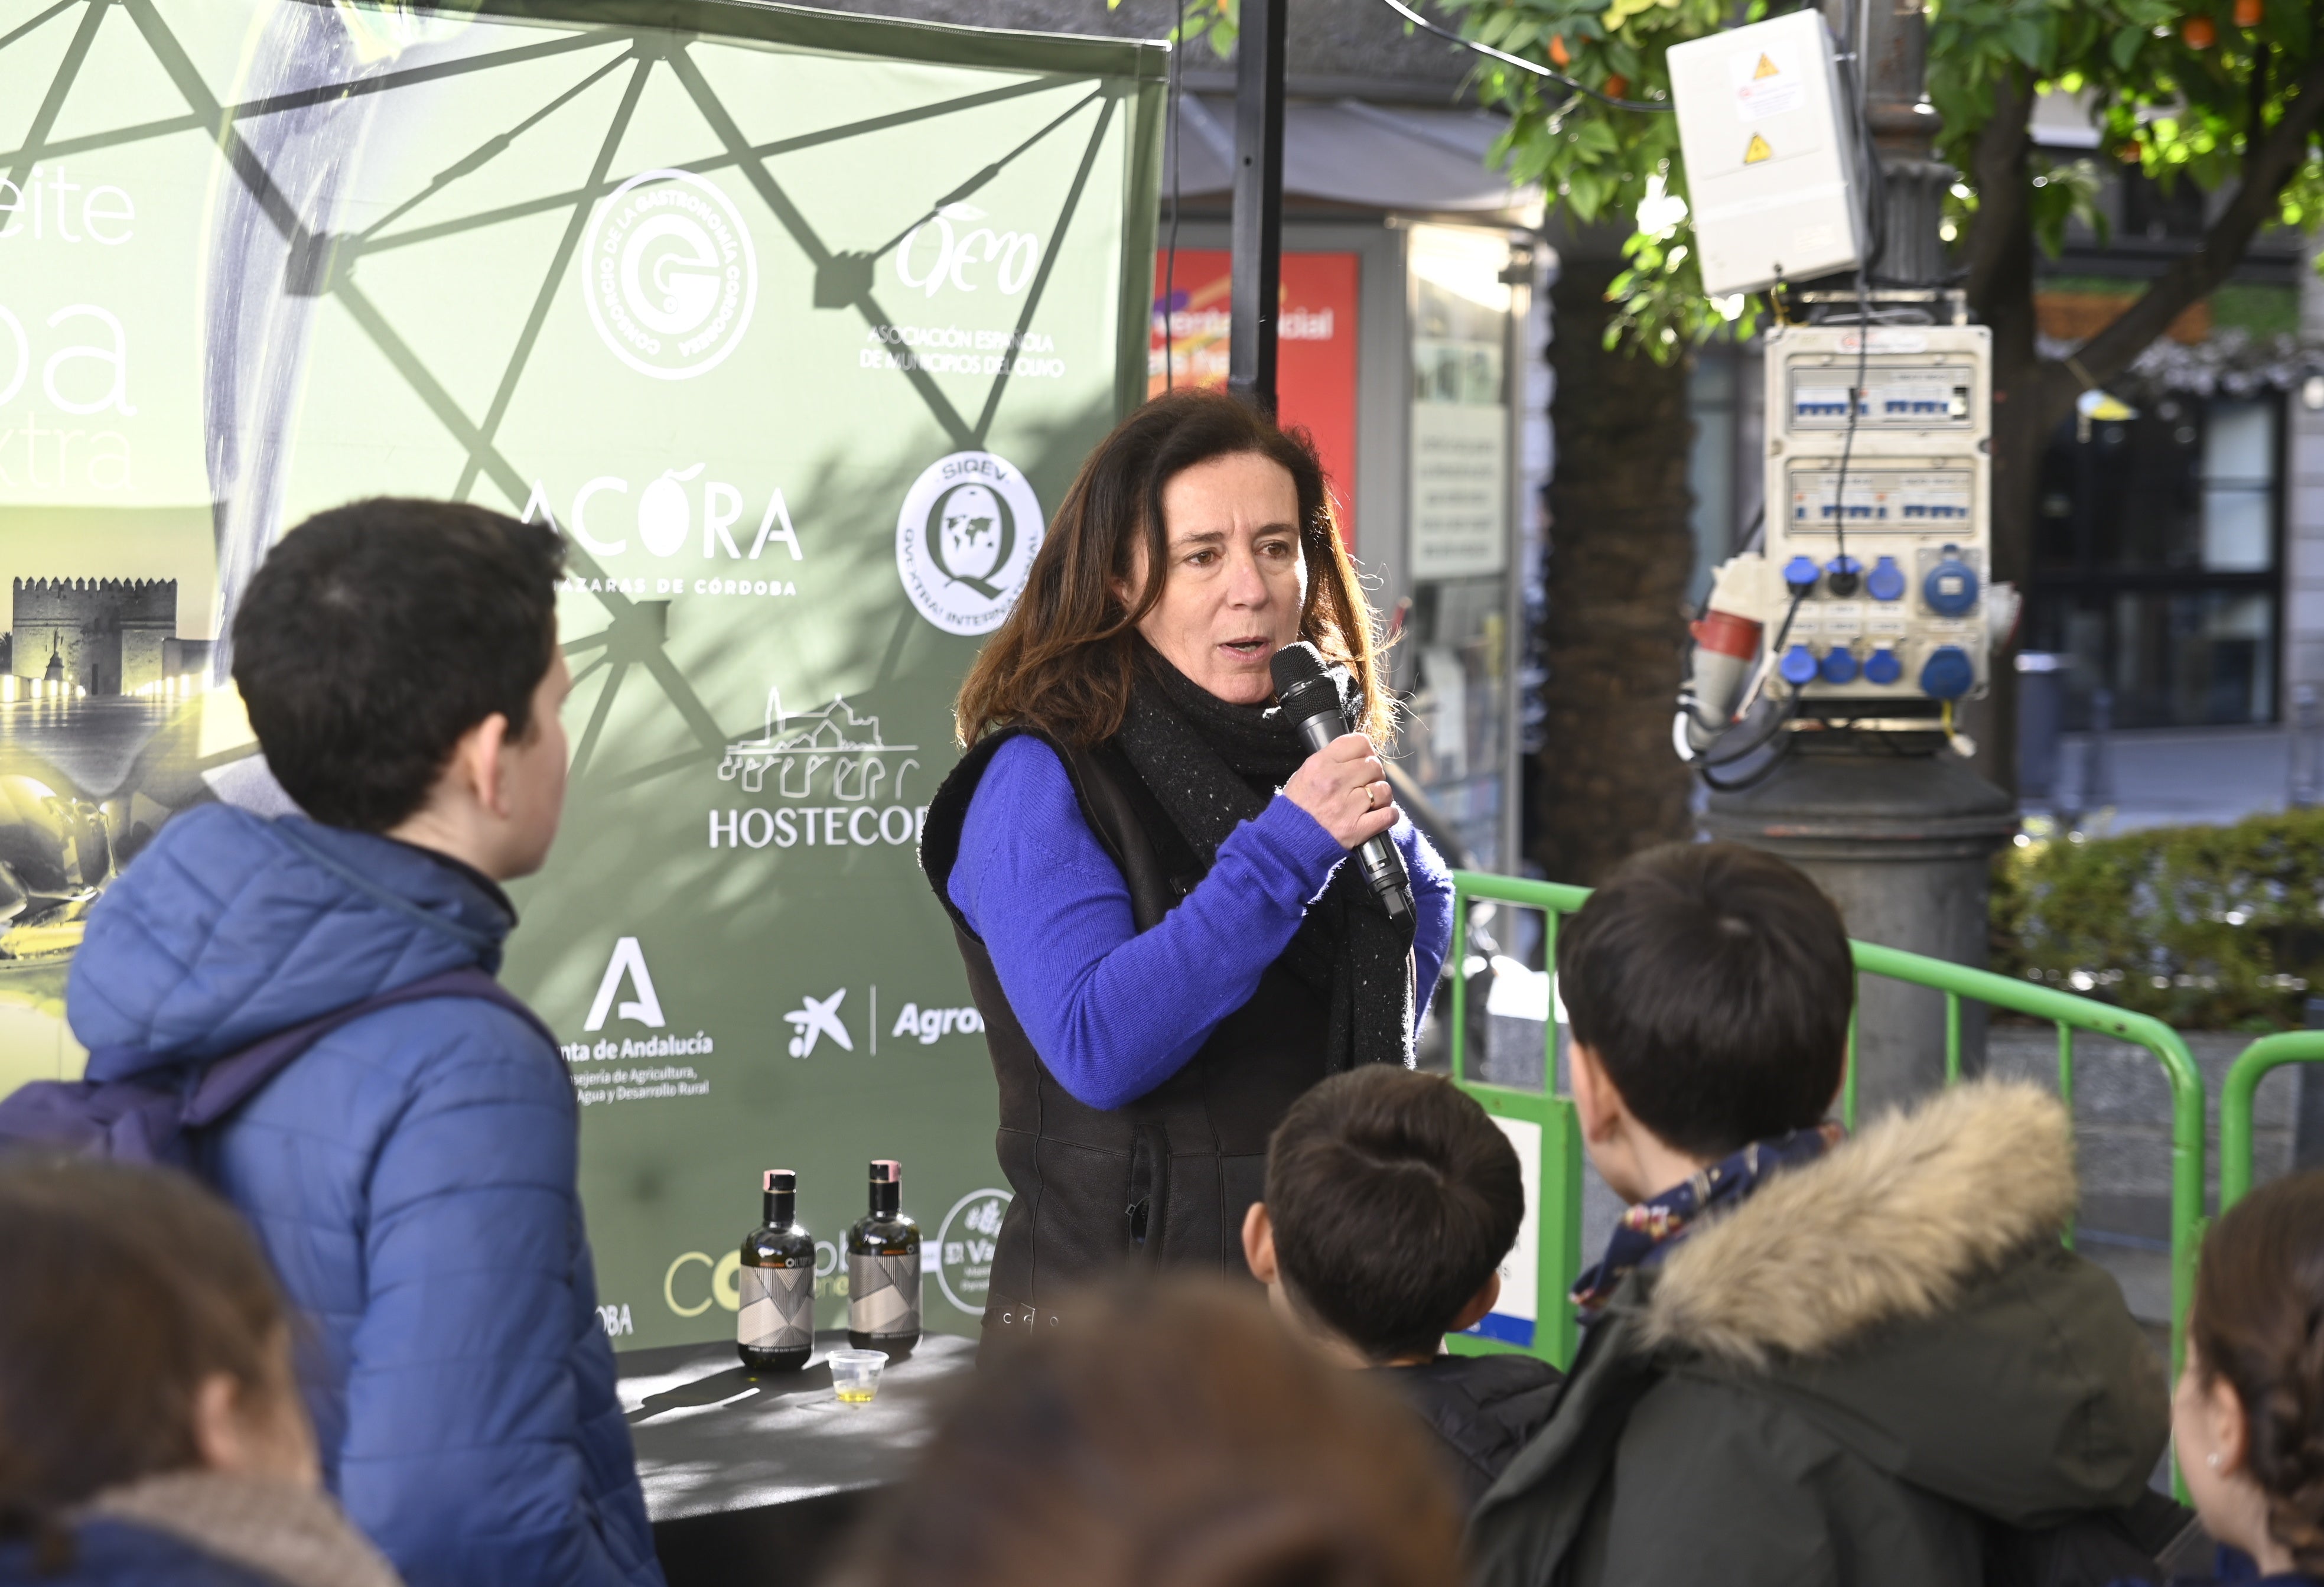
{"points": [[794, 324]]}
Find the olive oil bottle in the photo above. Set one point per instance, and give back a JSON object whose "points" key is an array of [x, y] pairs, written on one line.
{"points": [[775, 1329], [883, 1269]]}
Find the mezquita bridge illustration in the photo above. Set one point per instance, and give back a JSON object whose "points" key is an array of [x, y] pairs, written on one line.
{"points": [[799, 747]]}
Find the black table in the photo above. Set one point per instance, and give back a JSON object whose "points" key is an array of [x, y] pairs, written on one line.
{"points": [[755, 1478]]}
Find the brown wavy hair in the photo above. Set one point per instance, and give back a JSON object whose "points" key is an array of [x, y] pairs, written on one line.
{"points": [[1169, 1434], [2258, 1322], [126, 1286], [1065, 658]]}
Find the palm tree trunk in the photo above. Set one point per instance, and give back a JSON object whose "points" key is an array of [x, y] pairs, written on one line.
{"points": [[1606, 782]]}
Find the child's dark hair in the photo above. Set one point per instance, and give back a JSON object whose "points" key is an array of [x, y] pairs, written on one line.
{"points": [[377, 634], [1393, 1198], [126, 1288], [2258, 1322], [1713, 983]]}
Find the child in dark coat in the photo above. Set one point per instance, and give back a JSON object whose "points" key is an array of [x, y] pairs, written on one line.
{"points": [[1391, 1201], [1810, 1360]]}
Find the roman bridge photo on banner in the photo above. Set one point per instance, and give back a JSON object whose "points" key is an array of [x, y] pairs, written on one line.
{"points": [[794, 325]]}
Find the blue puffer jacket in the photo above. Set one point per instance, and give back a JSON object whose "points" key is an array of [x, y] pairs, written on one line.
{"points": [[412, 1178]]}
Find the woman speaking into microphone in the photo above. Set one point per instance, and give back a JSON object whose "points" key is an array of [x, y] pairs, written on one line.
{"points": [[1149, 874]]}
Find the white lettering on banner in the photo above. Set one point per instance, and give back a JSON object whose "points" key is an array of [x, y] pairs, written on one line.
{"points": [[42, 207], [926, 1025], [102, 465], [831, 826], [664, 522], [74, 393], [629, 960], [615, 1319], [952, 258], [637, 1085]]}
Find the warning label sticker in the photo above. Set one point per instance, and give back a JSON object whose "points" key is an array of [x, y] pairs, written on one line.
{"points": [[1756, 149], [1768, 82]]}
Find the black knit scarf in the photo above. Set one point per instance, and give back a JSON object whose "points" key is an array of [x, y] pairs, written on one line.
{"points": [[1213, 765]]}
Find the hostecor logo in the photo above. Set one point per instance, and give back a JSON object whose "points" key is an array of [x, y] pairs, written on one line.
{"points": [[669, 275], [966, 535]]}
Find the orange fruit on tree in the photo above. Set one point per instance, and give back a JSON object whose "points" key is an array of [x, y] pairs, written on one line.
{"points": [[1617, 86], [2248, 13], [2198, 32], [1558, 53]]}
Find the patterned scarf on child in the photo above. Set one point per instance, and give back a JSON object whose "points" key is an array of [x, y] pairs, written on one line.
{"points": [[1645, 1233]]}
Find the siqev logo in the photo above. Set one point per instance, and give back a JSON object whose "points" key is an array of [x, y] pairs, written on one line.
{"points": [[965, 538], [669, 275]]}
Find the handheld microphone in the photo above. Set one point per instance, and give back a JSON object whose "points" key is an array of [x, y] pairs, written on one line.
{"points": [[1311, 701]]}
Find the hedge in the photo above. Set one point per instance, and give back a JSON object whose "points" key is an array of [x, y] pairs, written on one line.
{"points": [[2208, 928]]}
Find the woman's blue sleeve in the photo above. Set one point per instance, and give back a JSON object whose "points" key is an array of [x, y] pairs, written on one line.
{"points": [[1431, 909], [1111, 1011]]}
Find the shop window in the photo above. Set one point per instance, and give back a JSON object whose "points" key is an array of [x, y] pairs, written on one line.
{"points": [[1460, 748], [2157, 562]]}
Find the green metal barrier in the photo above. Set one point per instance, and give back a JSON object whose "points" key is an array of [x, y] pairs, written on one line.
{"points": [[1559, 1253], [2236, 1098]]}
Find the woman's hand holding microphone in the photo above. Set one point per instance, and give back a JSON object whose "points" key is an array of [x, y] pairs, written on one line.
{"points": [[1345, 787]]}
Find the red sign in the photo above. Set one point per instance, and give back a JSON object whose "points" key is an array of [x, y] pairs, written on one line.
{"points": [[1315, 350]]}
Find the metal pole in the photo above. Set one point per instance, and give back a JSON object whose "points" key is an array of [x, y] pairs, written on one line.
{"points": [[1891, 44], [1258, 271]]}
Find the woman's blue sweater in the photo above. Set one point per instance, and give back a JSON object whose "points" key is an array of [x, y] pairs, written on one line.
{"points": [[1114, 1012]]}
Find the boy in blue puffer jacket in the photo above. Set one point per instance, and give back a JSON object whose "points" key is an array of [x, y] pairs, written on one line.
{"points": [[412, 1176]]}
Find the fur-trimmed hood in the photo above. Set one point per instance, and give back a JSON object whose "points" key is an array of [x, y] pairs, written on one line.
{"points": [[1890, 1226], [1847, 1377]]}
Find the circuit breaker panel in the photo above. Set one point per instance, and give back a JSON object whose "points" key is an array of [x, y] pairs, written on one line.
{"points": [[1883, 570]]}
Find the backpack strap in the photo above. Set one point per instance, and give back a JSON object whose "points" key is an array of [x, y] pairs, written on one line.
{"points": [[226, 1085]]}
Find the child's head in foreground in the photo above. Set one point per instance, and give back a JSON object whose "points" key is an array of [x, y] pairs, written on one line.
{"points": [[1168, 1434], [141, 1334], [1391, 1199], [1707, 987], [399, 660], [2247, 1420]]}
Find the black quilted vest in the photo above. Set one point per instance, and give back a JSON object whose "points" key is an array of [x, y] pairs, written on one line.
{"points": [[1166, 1178]]}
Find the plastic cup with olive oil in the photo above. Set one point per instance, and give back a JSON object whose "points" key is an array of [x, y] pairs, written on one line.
{"points": [[855, 1374]]}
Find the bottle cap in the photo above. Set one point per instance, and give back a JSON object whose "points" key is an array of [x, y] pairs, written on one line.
{"points": [[781, 1180], [886, 1171]]}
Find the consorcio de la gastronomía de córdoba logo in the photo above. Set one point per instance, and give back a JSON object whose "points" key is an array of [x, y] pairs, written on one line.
{"points": [[669, 275], [965, 540]]}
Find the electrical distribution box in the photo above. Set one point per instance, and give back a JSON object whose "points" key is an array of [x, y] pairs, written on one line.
{"points": [[1770, 154], [1891, 567]]}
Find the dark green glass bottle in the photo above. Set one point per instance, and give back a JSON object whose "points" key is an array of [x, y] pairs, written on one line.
{"points": [[775, 1329], [883, 1269]]}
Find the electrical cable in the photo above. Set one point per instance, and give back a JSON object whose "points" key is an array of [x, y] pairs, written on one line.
{"points": [[1170, 257], [1535, 67]]}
